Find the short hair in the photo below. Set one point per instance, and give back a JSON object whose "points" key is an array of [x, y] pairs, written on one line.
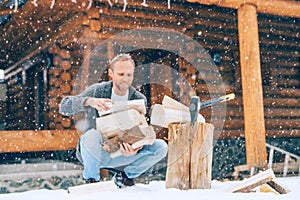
{"points": [[121, 57]]}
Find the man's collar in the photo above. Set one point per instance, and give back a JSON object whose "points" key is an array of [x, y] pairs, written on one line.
{"points": [[110, 86]]}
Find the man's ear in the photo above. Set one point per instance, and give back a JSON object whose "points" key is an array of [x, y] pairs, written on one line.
{"points": [[110, 73]]}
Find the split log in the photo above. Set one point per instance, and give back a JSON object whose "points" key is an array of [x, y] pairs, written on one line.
{"points": [[130, 126], [136, 136], [277, 187], [111, 125], [250, 183], [137, 104], [171, 111], [190, 156], [162, 116], [173, 104], [178, 167], [263, 179], [266, 188], [201, 156]]}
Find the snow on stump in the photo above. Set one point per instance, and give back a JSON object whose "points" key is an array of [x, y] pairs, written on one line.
{"points": [[190, 156]]}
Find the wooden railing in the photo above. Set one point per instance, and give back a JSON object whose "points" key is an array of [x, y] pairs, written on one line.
{"points": [[31, 141], [291, 163], [287, 158]]}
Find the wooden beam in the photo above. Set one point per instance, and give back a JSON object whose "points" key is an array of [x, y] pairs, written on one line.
{"points": [[8, 11], [252, 86], [78, 5], [30, 140], [273, 7], [74, 23], [279, 7]]}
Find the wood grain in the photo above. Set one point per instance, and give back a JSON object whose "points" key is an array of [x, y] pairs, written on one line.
{"points": [[30, 140], [252, 86]]}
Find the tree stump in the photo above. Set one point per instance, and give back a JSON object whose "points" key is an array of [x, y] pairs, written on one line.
{"points": [[190, 156]]}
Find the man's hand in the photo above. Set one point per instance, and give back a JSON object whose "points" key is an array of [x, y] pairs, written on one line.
{"points": [[100, 104], [127, 150]]}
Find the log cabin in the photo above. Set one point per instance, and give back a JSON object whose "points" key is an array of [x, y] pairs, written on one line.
{"points": [[56, 48]]}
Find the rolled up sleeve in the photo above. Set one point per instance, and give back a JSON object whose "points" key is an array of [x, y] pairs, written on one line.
{"points": [[72, 105]]}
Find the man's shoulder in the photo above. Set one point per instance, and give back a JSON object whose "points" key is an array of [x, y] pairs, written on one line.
{"points": [[135, 94], [102, 89], [103, 84]]}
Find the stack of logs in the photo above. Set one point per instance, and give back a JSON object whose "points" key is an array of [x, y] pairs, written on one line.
{"points": [[15, 106], [62, 78]]}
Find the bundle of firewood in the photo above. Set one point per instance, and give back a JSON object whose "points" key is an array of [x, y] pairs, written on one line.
{"points": [[171, 111], [125, 123]]}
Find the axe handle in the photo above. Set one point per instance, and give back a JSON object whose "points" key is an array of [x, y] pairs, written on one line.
{"points": [[194, 109], [217, 100]]}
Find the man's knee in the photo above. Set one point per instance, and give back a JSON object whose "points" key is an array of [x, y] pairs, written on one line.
{"points": [[162, 147], [91, 136]]}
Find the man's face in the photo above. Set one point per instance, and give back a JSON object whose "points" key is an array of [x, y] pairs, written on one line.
{"points": [[122, 76]]}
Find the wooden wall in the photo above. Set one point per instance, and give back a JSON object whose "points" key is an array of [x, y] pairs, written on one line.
{"points": [[15, 111], [279, 45], [216, 30], [62, 77]]}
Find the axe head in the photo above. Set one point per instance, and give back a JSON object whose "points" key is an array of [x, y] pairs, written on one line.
{"points": [[194, 109]]}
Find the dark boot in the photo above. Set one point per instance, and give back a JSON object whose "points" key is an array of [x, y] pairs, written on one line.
{"points": [[122, 181], [90, 180]]}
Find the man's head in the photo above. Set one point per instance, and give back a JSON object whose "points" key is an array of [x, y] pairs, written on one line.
{"points": [[121, 57], [121, 71]]}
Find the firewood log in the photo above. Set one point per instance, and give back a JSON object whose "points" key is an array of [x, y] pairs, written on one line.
{"points": [[136, 136], [162, 116], [66, 76], [110, 124], [65, 65], [65, 53]]}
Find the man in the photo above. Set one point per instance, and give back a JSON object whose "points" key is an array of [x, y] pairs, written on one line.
{"points": [[96, 98]]}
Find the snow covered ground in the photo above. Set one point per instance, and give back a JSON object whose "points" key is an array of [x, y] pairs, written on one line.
{"points": [[156, 190]]}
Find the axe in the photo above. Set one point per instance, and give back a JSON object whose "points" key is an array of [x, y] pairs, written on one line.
{"points": [[196, 105]]}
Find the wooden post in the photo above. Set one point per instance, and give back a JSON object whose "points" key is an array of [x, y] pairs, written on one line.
{"points": [[252, 86], [190, 156]]}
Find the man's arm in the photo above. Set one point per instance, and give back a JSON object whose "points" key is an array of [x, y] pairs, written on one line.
{"points": [[99, 104], [72, 105], [128, 150]]}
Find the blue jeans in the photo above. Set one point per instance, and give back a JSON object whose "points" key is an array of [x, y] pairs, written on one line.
{"points": [[94, 157]]}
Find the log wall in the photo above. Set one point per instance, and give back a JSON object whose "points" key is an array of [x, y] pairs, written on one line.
{"points": [[15, 103], [216, 30], [62, 77]]}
